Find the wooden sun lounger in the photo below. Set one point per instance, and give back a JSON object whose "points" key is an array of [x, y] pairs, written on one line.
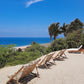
{"points": [[75, 50], [23, 71], [81, 50], [62, 53], [59, 54], [46, 60], [50, 56]]}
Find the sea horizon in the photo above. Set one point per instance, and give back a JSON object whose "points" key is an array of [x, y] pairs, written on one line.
{"points": [[23, 41]]}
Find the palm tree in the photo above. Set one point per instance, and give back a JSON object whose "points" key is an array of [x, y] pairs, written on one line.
{"points": [[64, 29], [50, 30], [54, 30]]}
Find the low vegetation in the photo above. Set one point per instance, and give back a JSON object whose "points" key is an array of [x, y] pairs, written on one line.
{"points": [[72, 40], [75, 39], [56, 45], [8, 55]]}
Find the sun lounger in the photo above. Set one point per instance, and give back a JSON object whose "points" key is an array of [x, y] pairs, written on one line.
{"points": [[59, 54], [23, 71], [46, 60], [56, 54], [75, 49], [63, 53], [82, 50]]}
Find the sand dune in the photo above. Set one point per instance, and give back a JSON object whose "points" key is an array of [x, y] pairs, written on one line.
{"points": [[69, 71]]}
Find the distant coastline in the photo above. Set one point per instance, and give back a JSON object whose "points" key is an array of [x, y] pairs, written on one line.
{"points": [[23, 47]]}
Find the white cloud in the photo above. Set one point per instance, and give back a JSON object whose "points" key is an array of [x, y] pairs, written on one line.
{"points": [[28, 3]]}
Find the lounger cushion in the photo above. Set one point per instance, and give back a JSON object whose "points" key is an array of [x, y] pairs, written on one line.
{"points": [[73, 49]]}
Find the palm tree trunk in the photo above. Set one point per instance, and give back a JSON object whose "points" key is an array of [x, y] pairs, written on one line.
{"points": [[54, 37], [50, 38]]}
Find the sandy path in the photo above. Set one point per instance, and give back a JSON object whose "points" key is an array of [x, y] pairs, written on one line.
{"points": [[70, 71], [7, 71]]}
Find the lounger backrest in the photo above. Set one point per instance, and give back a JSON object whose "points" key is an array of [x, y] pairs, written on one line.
{"points": [[43, 60], [49, 57], [80, 47], [23, 71], [56, 54], [62, 52], [29, 68]]}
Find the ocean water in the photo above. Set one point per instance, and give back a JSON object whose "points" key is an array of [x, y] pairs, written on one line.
{"points": [[22, 41]]}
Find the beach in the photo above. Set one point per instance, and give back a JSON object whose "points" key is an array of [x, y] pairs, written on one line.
{"points": [[69, 71], [23, 47]]}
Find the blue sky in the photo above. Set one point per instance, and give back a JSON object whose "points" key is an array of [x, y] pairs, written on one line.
{"points": [[31, 18]]}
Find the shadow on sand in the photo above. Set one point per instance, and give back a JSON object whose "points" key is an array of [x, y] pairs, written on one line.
{"points": [[25, 79], [61, 59], [48, 65]]}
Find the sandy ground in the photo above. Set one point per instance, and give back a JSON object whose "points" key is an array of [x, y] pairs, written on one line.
{"points": [[69, 71], [23, 47]]}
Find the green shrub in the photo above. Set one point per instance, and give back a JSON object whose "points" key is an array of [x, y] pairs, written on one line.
{"points": [[5, 53], [22, 58], [48, 50], [75, 39], [58, 44], [33, 43], [8, 56], [35, 47], [19, 50]]}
